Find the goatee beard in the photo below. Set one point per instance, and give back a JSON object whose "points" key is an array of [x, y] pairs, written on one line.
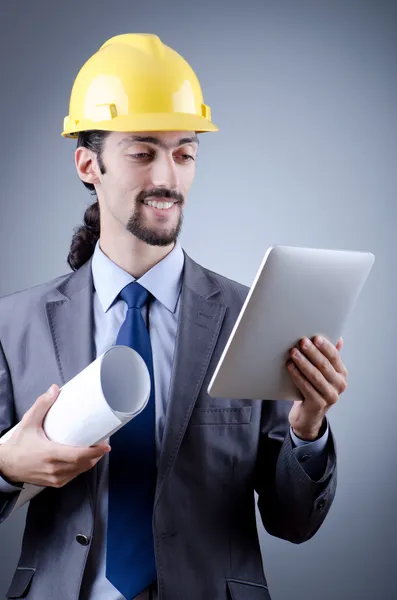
{"points": [[150, 236]]}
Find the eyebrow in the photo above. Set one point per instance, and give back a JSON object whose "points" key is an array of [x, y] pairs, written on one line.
{"points": [[148, 139]]}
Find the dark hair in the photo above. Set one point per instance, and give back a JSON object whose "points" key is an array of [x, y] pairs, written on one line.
{"points": [[86, 236]]}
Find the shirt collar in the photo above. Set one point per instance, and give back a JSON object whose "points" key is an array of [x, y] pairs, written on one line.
{"points": [[163, 281]]}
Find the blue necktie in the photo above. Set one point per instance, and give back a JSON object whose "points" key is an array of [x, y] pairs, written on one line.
{"points": [[130, 560]]}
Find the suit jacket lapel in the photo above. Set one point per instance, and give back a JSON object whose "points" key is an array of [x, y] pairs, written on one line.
{"points": [[70, 318], [200, 321]]}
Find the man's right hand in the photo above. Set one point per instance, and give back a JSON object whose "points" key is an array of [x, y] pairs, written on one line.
{"points": [[30, 457]]}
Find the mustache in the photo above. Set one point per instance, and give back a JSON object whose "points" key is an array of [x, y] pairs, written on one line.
{"points": [[160, 193]]}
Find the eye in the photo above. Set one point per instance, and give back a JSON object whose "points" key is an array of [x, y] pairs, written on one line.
{"points": [[142, 155], [186, 157]]}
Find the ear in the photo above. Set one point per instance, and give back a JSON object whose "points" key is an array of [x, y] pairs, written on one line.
{"points": [[87, 165]]}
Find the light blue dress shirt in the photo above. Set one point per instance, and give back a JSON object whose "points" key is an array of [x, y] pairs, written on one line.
{"points": [[164, 282]]}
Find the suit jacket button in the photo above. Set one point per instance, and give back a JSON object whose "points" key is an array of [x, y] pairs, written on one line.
{"points": [[82, 539], [304, 458], [321, 504]]}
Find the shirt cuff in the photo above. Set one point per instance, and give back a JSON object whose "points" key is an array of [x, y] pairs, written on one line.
{"points": [[316, 446], [8, 488], [312, 455]]}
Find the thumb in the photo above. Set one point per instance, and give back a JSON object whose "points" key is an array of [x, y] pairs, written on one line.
{"points": [[35, 415]]}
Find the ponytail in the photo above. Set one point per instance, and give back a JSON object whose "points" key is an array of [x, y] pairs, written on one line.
{"points": [[86, 236]]}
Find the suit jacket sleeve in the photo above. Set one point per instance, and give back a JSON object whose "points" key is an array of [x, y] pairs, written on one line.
{"points": [[292, 504], [7, 499]]}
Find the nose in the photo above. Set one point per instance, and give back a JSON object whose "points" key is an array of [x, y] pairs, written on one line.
{"points": [[164, 173]]}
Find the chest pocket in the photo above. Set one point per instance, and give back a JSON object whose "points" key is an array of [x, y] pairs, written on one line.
{"points": [[244, 590], [221, 416]]}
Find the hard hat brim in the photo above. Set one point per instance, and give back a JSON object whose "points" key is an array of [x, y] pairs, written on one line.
{"points": [[141, 122]]}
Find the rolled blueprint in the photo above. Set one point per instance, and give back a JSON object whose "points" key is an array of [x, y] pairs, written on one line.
{"points": [[93, 405]]}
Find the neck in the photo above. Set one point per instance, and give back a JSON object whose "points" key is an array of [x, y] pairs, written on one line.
{"points": [[131, 254]]}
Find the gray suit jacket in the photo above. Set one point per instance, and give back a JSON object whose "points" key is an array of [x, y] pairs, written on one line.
{"points": [[215, 452]]}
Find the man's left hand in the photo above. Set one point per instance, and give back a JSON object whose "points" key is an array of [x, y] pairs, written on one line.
{"points": [[318, 372]]}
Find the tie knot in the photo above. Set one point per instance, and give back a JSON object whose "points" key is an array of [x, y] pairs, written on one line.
{"points": [[134, 295]]}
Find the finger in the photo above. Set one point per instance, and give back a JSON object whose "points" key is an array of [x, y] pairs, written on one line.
{"points": [[322, 363], [315, 377], [35, 415], [330, 351], [70, 472], [63, 472], [73, 455], [339, 344], [91, 464], [309, 392], [101, 448]]}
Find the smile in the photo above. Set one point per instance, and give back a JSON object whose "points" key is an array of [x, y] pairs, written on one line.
{"points": [[159, 204]]}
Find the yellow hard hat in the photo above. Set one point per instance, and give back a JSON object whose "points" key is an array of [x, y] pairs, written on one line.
{"points": [[134, 82]]}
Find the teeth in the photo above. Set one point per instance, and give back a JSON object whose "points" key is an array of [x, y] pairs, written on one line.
{"points": [[161, 205]]}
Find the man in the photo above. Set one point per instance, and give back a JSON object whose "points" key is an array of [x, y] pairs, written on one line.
{"points": [[169, 512]]}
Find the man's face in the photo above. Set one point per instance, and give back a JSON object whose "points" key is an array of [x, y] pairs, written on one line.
{"points": [[146, 181]]}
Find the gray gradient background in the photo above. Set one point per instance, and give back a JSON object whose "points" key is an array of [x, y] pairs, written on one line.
{"points": [[305, 95]]}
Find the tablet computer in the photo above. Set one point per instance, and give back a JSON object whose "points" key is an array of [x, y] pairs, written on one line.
{"points": [[296, 292]]}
